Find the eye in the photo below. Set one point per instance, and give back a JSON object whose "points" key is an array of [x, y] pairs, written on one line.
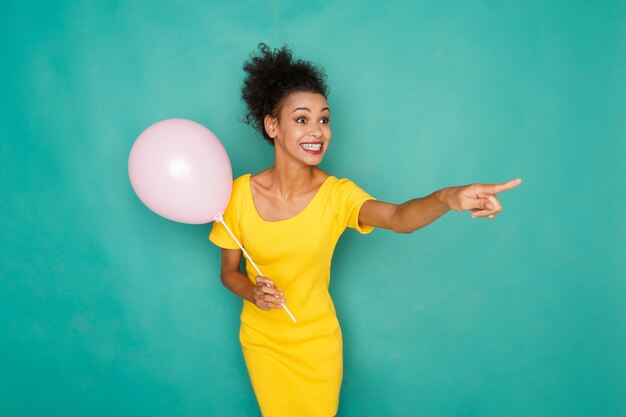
{"points": [[325, 120], [301, 120]]}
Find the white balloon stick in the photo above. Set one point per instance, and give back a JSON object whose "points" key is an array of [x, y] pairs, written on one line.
{"points": [[219, 218]]}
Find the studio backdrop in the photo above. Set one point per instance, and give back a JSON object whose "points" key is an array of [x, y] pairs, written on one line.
{"points": [[107, 309]]}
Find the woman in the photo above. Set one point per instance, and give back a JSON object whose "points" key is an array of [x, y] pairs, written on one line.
{"points": [[289, 218]]}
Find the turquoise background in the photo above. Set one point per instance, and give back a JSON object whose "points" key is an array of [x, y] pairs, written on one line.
{"points": [[107, 309]]}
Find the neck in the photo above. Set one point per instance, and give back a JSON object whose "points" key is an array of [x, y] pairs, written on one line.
{"points": [[290, 177]]}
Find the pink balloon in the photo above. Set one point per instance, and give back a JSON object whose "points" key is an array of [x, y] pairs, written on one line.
{"points": [[181, 171]]}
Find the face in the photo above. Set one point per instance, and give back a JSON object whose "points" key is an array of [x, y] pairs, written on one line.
{"points": [[301, 131]]}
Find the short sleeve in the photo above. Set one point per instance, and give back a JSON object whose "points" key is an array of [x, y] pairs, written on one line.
{"points": [[219, 235], [349, 198]]}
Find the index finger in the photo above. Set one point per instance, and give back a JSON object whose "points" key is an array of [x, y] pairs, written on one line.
{"points": [[264, 280], [498, 188]]}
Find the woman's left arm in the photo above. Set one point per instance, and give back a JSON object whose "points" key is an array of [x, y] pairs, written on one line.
{"points": [[414, 214]]}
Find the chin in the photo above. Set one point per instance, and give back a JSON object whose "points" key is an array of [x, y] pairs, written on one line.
{"points": [[314, 161]]}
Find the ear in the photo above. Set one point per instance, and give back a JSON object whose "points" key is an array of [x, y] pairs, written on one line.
{"points": [[271, 125]]}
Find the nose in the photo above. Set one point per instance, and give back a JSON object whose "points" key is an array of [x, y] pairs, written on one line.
{"points": [[315, 130]]}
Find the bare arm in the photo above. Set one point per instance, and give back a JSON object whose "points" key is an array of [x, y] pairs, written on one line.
{"points": [[419, 212], [402, 218], [264, 294]]}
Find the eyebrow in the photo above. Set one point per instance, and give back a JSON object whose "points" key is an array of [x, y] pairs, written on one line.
{"points": [[307, 109]]}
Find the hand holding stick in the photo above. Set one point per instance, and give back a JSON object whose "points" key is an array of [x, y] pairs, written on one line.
{"points": [[264, 281]]}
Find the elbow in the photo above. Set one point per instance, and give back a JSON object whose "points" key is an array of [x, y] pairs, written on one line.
{"points": [[404, 226], [229, 277], [398, 222], [396, 228], [224, 278], [400, 227]]}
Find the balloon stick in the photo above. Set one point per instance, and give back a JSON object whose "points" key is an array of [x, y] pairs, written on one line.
{"points": [[220, 218]]}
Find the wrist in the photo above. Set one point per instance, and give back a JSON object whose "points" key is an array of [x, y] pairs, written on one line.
{"points": [[442, 196], [249, 294]]}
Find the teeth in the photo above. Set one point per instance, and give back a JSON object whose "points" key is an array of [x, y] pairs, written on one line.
{"points": [[311, 146]]}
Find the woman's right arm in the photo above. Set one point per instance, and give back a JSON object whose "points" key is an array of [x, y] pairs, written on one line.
{"points": [[264, 294]]}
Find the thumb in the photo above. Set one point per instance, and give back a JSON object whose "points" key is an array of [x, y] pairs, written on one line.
{"points": [[263, 280], [481, 203]]}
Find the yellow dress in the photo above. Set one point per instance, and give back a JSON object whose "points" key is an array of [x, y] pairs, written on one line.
{"points": [[295, 368]]}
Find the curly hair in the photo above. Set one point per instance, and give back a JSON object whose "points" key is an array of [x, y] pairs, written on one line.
{"points": [[270, 77]]}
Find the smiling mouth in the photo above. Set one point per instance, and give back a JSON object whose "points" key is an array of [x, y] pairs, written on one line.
{"points": [[314, 148]]}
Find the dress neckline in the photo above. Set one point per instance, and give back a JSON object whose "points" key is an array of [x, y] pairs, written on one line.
{"points": [[298, 214]]}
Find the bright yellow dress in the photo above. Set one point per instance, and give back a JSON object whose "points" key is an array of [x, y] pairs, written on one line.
{"points": [[295, 368]]}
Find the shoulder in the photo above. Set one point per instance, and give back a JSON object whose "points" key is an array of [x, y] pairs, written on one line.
{"points": [[324, 178], [346, 191], [241, 179], [240, 187], [338, 189], [241, 182], [341, 184]]}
